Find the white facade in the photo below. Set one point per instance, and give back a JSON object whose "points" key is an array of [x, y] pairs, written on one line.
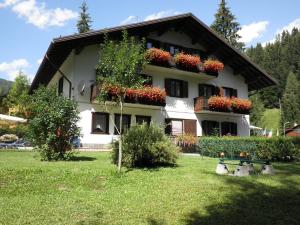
{"points": [[80, 70]]}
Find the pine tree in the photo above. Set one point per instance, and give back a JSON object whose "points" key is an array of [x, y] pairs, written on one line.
{"points": [[290, 102], [84, 20], [226, 25], [257, 111]]}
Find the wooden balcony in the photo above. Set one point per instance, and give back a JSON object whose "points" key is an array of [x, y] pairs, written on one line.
{"points": [[131, 102], [201, 106]]}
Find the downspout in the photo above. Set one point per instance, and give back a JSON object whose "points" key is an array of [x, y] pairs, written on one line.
{"points": [[63, 75]]}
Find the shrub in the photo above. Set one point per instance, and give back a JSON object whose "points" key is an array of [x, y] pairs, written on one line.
{"points": [[217, 103], [239, 105], [187, 142], [213, 66], [187, 62], [146, 146], [277, 148], [158, 57], [54, 124]]}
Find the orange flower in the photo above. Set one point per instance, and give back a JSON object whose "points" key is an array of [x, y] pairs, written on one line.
{"points": [[239, 105], [217, 103], [213, 66], [187, 62], [158, 57]]}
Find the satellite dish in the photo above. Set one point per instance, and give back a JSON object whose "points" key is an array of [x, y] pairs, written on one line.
{"points": [[81, 87]]}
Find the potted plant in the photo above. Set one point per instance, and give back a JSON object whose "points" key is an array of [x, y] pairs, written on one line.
{"points": [[213, 67], [242, 106], [187, 62], [158, 57], [218, 103]]}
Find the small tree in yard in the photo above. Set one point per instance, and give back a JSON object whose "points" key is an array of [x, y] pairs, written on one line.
{"points": [[120, 65], [54, 124]]}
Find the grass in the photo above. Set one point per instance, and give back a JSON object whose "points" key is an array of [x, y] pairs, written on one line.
{"points": [[271, 119], [88, 191]]}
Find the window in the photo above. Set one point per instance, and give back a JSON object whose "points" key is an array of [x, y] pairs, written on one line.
{"points": [[100, 124], [143, 119], [230, 92], [228, 129], [152, 44], [61, 86], [126, 119], [210, 128], [178, 127], [176, 88], [206, 90]]}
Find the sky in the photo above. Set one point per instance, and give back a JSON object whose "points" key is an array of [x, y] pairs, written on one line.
{"points": [[28, 26]]}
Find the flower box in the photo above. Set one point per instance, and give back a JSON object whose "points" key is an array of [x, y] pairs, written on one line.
{"points": [[213, 67], [220, 104], [187, 62], [158, 57], [242, 106]]}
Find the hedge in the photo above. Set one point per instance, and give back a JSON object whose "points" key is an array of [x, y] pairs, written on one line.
{"points": [[276, 149], [21, 131]]}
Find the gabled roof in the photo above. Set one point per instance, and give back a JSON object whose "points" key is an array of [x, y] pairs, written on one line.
{"points": [[288, 130], [60, 48]]}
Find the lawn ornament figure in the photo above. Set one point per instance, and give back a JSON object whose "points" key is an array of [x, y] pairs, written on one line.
{"points": [[267, 168]]}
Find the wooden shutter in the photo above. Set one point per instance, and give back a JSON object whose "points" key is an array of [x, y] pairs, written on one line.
{"points": [[168, 86], [201, 90], [234, 129], [185, 89], [168, 126], [190, 127]]}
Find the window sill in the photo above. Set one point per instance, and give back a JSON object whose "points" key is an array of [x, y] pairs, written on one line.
{"points": [[100, 133]]}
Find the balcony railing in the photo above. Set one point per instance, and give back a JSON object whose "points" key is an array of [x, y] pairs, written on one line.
{"points": [[200, 104], [222, 104], [146, 96]]}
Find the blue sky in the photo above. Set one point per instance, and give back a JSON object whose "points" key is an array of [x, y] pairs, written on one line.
{"points": [[28, 26]]}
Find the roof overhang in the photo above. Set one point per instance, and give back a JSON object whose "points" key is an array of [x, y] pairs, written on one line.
{"points": [[61, 47]]}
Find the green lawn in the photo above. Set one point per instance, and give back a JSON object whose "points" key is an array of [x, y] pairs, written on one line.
{"points": [[90, 192]]}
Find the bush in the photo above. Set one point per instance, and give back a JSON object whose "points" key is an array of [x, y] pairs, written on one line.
{"points": [[277, 148], [146, 146], [54, 124]]}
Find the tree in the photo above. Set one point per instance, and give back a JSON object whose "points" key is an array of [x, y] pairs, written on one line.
{"points": [[18, 97], [290, 101], [225, 24], [119, 67], [257, 110], [84, 20], [53, 126]]}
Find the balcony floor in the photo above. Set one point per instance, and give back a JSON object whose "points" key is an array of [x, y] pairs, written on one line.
{"points": [[220, 113]]}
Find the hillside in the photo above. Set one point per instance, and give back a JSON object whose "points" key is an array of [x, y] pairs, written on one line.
{"points": [[271, 119], [4, 86]]}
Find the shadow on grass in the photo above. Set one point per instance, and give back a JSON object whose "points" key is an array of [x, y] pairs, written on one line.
{"points": [[81, 158], [253, 203]]}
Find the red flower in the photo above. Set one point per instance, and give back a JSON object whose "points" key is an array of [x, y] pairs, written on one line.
{"points": [[187, 62], [213, 66], [217, 103], [158, 57]]}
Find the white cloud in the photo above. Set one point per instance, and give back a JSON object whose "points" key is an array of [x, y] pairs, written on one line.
{"points": [[7, 3], [290, 26], [161, 14], [11, 69], [252, 31], [37, 13], [39, 61], [154, 16], [130, 19]]}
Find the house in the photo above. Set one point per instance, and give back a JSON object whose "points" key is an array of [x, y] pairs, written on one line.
{"points": [[69, 64], [293, 132]]}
